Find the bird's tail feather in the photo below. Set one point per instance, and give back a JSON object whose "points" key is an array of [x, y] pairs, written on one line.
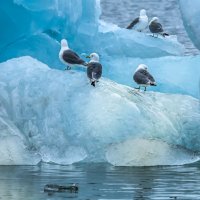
{"points": [[153, 84]]}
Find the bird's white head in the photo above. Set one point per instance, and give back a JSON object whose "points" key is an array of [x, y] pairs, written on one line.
{"points": [[142, 66], [143, 12], [154, 19], [94, 57], [64, 43]]}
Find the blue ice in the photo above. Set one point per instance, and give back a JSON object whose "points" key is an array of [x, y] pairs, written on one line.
{"points": [[51, 115], [58, 117]]}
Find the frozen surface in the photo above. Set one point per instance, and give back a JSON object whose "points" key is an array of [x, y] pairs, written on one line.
{"points": [[14, 149], [58, 117], [140, 152], [191, 16], [34, 27], [172, 74]]}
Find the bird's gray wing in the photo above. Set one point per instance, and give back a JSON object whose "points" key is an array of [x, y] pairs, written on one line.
{"points": [[150, 77], [94, 70], [140, 78], [133, 23], [71, 57], [155, 27]]}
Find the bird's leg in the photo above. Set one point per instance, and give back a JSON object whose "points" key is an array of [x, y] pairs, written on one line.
{"points": [[145, 89], [68, 67], [93, 83], [138, 88]]}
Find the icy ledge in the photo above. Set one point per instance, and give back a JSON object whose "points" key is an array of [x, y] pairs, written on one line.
{"points": [[78, 21], [56, 116]]}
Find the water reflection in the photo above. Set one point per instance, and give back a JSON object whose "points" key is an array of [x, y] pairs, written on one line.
{"points": [[101, 181]]}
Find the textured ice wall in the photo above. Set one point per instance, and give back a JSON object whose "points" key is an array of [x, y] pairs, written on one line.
{"points": [[191, 15], [141, 152], [58, 117], [35, 27], [172, 74]]}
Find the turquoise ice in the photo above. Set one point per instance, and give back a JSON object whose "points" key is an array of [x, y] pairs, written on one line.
{"points": [[51, 115], [35, 28], [58, 117]]}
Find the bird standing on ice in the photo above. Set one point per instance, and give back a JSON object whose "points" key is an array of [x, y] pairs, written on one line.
{"points": [[140, 23], [156, 28], [94, 68], [143, 78], [69, 57]]}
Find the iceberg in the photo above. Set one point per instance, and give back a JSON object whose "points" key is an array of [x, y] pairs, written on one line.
{"points": [[58, 117], [55, 116], [191, 15], [35, 28]]}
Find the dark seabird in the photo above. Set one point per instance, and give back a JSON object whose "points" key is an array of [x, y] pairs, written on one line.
{"points": [[140, 23], [94, 68], [69, 57], [143, 78], [156, 28]]}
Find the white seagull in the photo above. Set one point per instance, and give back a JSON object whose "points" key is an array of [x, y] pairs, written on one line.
{"points": [[94, 68], [143, 78], [140, 23], [156, 28], [69, 57]]}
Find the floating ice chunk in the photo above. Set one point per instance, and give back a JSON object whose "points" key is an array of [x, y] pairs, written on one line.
{"points": [[64, 119], [141, 152], [78, 21], [191, 16], [130, 43]]}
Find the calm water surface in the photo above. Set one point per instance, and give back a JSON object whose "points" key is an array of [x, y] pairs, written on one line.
{"points": [[101, 181]]}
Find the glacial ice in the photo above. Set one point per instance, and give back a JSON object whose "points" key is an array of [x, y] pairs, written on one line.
{"points": [[172, 74], [140, 152], [55, 116], [58, 117], [191, 15], [35, 27]]}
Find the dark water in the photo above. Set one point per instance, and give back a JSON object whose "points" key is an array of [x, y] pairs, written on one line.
{"points": [[122, 12], [101, 181]]}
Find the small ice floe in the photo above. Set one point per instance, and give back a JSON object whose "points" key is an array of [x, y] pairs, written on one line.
{"points": [[51, 188]]}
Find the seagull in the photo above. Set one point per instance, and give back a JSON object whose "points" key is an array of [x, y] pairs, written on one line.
{"points": [[143, 78], [140, 23], [94, 68], [69, 57], [156, 28]]}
